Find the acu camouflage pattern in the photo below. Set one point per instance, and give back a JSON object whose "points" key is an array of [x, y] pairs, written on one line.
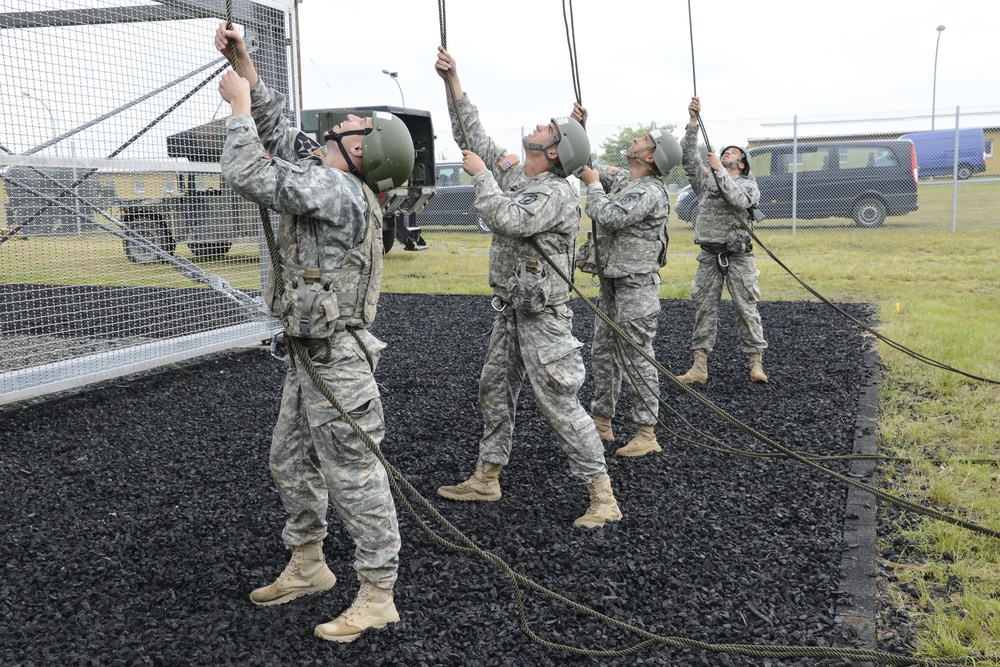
{"points": [[536, 343], [631, 220], [326, 224], [717, 223], [516, 208], [632, 223], [315, 202], [717, 229]]}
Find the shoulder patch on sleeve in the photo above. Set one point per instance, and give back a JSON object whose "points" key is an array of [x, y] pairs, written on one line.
{"points": [[508, 161], [533, 199], [306, 145], [629, 200], [611, 171]]}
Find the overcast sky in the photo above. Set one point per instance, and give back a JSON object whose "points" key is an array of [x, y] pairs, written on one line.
{"points": [[760, 59]]}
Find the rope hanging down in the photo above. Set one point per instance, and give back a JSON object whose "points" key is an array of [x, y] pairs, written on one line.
{"points": [[741, 215], [398, 482], [888, 659]]}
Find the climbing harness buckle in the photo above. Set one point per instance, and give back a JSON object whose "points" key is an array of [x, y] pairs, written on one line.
{"points": [[278, 348]]}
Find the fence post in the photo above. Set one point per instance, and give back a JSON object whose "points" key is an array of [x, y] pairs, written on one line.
{"points": [[795, 168], [954, 174]]}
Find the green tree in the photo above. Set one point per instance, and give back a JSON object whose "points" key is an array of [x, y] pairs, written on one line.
{"points": [[613, 147]]}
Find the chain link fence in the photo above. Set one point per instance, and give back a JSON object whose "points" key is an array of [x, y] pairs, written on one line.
{"points": [[912, 171], [121, 248]]}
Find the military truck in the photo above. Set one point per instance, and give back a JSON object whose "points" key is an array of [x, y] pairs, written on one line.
{"points": [[399, 205], [202, 211]]}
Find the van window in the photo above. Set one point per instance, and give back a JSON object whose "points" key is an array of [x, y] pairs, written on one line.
{"points": [[451, 174], [866, 157], [760, 163], [807, 160], [989, 148]]}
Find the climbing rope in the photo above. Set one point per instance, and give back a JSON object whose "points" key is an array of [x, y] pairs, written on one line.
{"points": [[465, 545], [749, 228]]}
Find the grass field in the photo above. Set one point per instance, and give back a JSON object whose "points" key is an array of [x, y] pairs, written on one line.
{"points": [[936, 293]]}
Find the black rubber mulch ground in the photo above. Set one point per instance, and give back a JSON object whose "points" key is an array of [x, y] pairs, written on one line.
{"points": [[137, 516]]}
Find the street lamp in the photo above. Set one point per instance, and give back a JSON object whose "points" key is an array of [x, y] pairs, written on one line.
{"points": [[51, 116], [393, 75], [940, 29]]}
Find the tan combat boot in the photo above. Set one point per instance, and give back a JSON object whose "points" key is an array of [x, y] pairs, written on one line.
{"points": [[643, 443], [699, 369], [603, 506], [372, 608], [603, 425], [483, 485], [305, 574], [757, 368]]}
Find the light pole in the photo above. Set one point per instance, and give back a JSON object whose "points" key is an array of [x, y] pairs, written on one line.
{"points": [[51, 116], [940, 29], [393, 75]]}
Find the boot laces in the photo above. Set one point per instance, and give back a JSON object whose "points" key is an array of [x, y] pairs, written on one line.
{"points": [[365, 595], [294, 567]]}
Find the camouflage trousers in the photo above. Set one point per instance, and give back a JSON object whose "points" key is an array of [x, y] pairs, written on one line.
{"points": [[636, 311], [542, 347], [706, 293], [318, 460]]}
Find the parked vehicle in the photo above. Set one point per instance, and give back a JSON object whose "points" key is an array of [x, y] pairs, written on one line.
{"points": [[201, 210], [454, 202], [862, 180], [936, 152]]}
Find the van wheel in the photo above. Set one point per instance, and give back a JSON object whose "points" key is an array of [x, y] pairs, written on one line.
{"points": [[153, 232], [869, 212], [964, 172]]}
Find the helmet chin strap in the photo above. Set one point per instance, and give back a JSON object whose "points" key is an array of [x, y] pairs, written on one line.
{"points": [[544, 149], [332, 135], [729, 164], [629, 155]]}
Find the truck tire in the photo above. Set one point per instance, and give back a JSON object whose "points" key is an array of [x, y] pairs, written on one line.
{"points": [[869, 212], [210, 249], [154, 231], [964, 172]]}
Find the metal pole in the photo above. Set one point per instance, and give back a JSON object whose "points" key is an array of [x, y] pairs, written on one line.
{"points": [[954, 174], [795, 168], [393, 76], [52, 116], [940, 29]]}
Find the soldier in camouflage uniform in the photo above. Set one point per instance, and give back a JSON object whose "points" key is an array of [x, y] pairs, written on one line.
{"points": [[726, 255], [532, 334], [330, 248], [630, 209]]}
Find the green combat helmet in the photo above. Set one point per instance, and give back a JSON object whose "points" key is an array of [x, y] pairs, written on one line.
{"points": [[387, 153], [667, 153], [573, 146]]}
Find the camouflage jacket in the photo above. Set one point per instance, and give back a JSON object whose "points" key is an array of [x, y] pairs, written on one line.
{"points": [[717, 223], [329, 238], [517, 209], [631, 218]]}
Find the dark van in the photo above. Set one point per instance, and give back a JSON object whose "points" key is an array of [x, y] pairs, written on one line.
{"points": [[454, 202], [862, 180], [936, 152]]}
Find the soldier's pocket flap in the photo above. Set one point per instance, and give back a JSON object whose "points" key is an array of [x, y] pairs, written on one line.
{"points": [[552, 353]]}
